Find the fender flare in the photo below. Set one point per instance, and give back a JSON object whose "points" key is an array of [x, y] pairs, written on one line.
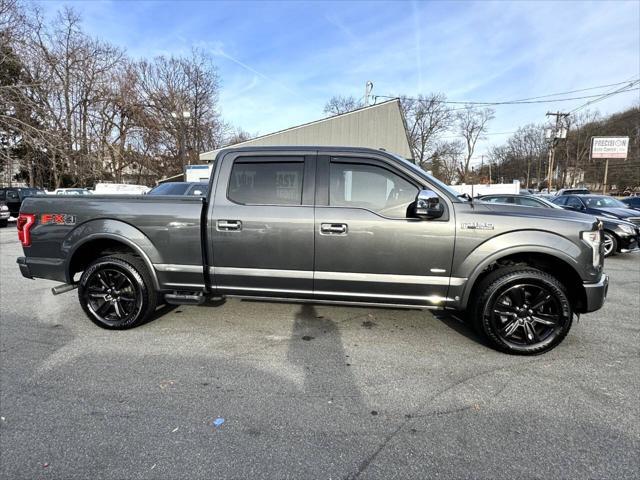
{"points": [[111, 229], [528, 241]]}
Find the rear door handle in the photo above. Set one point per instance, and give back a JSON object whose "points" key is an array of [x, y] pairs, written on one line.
{"points": [[229, 225], [333, 229]]}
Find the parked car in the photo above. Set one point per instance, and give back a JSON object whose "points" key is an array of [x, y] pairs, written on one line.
{"points": [[322, 224], [72, 191], [619, 235], [13, 197], [515, 199], [120, 189], [181, 188], [573, 191], [632, 202], [4, 215], [600, 205]]}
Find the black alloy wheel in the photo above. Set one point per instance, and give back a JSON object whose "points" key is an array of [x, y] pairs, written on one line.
{"points": [[526, 314], [522, 310], [117, 292], [112, 296]]}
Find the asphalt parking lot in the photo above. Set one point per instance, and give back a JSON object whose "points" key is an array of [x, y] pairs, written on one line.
{"points": [[310, 392]]}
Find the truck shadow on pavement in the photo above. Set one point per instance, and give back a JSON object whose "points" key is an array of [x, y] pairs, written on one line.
{"points": [[457, 323], [316, 347]]}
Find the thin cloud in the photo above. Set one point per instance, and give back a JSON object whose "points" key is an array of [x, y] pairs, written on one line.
{"points": [[218, 51]]}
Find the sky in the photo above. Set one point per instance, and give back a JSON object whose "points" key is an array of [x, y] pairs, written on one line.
{"points": [[279, 62]]}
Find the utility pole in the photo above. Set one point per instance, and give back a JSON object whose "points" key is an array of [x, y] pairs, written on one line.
{"points": [[558, 133]]}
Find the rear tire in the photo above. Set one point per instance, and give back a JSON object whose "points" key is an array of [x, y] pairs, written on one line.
{"points": [[522, 310], [117, 292], [610, 244]]}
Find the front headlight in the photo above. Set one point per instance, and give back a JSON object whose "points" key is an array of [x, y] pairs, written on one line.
{"points": [[4, 208], [630, 229], [593, 238]]}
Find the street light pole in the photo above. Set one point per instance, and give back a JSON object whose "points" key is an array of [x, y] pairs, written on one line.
{"points": [[182, 140]]}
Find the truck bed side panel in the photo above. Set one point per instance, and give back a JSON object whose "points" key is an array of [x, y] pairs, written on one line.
{"points": [[165, 229]]}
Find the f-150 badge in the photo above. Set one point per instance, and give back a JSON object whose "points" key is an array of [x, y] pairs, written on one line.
{"points": [[477, 226]]}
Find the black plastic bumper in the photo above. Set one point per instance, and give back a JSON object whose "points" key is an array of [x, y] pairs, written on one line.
{"points": [[24, 268], [628, 243], [596, 294]]}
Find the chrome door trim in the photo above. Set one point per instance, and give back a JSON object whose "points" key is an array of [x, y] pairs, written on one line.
{"points": [[261, 272], [174, 267], [425, 298], [260, 289], [390, 278], [344, 276]]}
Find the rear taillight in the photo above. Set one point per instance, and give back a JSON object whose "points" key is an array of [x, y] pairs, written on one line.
{"points": [[25, 222]]}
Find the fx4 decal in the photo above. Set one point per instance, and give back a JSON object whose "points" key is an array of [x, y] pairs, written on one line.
{"points": [[57, 219]]}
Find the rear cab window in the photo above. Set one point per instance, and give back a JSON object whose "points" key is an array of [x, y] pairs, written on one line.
{"points": [[267, 181]]}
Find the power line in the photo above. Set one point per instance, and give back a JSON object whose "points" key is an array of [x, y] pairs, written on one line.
{"points": [[533, 100], [608, 94], [523, 102]]}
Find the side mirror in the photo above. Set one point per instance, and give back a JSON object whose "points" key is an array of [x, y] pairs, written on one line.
{"points": [[427, 205]]}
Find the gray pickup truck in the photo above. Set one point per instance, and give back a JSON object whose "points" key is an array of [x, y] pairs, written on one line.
{"points": [[323, 225]]}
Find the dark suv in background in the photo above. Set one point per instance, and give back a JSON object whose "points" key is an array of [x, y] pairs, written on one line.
{"points": [[13, 197]]}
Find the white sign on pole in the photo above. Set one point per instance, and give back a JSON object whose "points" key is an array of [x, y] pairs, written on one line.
{"points": [[609, 147]]}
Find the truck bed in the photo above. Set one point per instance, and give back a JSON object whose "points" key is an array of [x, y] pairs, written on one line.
{"points": [[166, 228]]}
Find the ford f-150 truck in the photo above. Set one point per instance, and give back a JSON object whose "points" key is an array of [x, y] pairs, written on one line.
{"points": [[324, 225]]}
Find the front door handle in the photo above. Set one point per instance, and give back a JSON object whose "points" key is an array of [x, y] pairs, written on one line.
{"points": [[333, 229], [229, 225]]}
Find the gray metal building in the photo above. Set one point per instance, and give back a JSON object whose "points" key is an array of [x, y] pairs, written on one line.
{"points": [[376, 126]]}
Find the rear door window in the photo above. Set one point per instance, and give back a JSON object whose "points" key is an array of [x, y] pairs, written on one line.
{"points": [[272, 182]]}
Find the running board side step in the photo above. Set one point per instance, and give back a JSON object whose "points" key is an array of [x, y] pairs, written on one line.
{"points": [[184, 298]]}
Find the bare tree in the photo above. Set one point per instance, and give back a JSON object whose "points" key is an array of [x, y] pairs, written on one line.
{"points": [[238, 136], [75, 110], [426, 117], [338, 105], [445, 158], [472, 125]]}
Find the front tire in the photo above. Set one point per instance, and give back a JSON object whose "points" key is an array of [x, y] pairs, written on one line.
{"points": [[117, 292], [610, 244], [4, 223], [522, 310]]}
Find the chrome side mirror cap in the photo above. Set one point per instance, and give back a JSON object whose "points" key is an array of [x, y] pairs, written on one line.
{"points": [[427, 205]]}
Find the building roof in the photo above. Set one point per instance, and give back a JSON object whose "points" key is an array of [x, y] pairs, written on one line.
{"points": [[377, 126]]}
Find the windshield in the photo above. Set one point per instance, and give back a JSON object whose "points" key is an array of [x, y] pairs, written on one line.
{"points": [[446, 188], [170, 189], [29, 192], [603, 202]]}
